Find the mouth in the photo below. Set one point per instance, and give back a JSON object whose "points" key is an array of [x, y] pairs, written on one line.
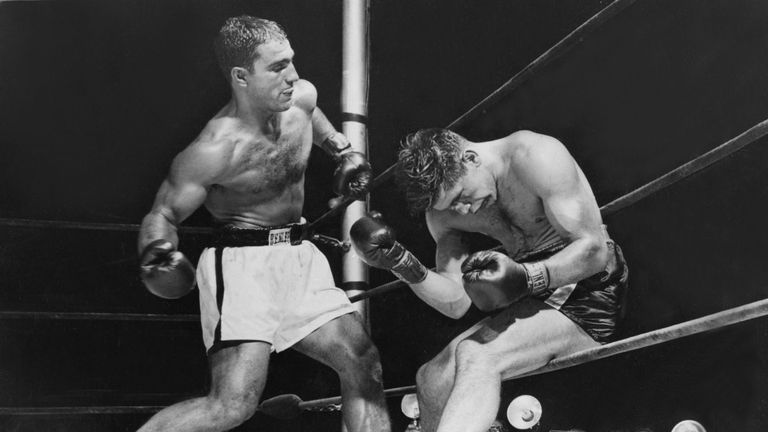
{"points": [[483, 204], [288, 93]]}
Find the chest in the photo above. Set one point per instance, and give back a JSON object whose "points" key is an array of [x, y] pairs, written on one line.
{"points": [[517, 220], [272, 163]]}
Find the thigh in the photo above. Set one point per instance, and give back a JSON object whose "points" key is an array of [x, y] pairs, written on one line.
{"points": [[527, 335], [337, 342], [240, 371]]}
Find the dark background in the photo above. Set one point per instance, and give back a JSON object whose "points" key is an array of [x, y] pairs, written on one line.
{"points": [[96, 97]]}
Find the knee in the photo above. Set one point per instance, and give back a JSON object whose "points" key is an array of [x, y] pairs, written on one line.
{"points": [[363, 363], [435, 372], [472, 355], [230, 412]]}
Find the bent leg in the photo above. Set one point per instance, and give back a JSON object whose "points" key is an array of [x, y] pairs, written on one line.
{"points": [[435, 379], [344, 345], [238, 375], [522, 338]]}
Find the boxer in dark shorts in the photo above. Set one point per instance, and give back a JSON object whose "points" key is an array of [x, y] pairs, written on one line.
{"points": [[596, 304], [557, 290]]}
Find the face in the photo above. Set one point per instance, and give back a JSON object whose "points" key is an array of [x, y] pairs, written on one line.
{"points": [[474, 191], [273, 76]]}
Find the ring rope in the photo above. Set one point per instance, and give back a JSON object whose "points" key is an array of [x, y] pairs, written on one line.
{"points": [[644, 340], [655, 337], [569, 41], [696, 165], [99, 316], [54, 411], [560, 48]]}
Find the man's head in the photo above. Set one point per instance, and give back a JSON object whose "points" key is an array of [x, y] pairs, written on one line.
{"points": [[255, 55], [439, 169]]}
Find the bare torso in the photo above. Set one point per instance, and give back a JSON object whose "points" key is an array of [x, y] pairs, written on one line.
{"points": [[263, 183], [516, 219]]}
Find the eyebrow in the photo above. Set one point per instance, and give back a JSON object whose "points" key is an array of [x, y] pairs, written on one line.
{"points": [[280, 62]]}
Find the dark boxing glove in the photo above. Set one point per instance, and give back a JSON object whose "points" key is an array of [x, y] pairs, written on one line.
{"points": [[166, 272], [493, 280], [376, 244], [352, 174]]}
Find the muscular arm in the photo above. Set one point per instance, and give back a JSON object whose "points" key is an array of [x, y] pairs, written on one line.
{"points": [[547, 169], [324, 134], [192, 172], [442, 289]]}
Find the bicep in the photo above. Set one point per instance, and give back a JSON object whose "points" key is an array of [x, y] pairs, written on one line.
{"points": [[451, 250], [192, 173], [566, 196], [178, 199]]}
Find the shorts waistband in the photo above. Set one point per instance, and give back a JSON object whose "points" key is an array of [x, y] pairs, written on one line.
{"points": [[552, 247], [231, 236]]}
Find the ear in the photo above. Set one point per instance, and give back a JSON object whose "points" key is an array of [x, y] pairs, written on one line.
{"points": [[238, 76], [470, 157]]}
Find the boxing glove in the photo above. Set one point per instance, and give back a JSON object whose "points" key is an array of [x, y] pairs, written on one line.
{"points": [[493, 280], [166, 272], [376, 244], [352, 174]]}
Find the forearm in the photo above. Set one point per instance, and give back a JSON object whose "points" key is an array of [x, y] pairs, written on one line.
{"points": [[156, 225], [324, 134], [579, 260], [444, 294]]}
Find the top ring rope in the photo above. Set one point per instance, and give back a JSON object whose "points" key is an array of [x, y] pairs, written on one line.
{"points": [[569, 41]]}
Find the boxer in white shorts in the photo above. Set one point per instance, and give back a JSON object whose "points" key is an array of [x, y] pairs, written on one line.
{"points": [[276, 293], [271, 291]]}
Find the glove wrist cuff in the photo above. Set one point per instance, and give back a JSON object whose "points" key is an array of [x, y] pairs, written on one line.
{"points": [[407, 267], [536, 277], [332, 148]]}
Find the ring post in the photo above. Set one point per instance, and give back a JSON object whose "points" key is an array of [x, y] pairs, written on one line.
{"points": [[354, 106]]}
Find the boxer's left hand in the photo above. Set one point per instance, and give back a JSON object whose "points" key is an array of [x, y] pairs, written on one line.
{"points": [[352, 174], [493, 280]]}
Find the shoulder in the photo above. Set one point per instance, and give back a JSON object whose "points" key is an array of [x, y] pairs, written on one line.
{"points": [[530, 150], [305, 95], [541, 162], [210, 153], [440, 223], [528, 144]]}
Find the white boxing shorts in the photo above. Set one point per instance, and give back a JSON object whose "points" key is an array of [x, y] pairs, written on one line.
{"points": [[276, 294]]}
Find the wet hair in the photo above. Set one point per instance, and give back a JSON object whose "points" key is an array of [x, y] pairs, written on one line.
{"points": [[238, 39], [429, 161]]}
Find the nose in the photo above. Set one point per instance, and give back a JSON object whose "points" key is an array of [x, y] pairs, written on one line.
{"points": [[461, 208], [291, 75]]}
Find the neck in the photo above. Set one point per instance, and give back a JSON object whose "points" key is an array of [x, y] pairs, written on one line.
{"points": [[252, 113]]}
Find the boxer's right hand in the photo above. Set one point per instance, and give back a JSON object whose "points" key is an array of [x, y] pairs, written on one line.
{"points": [[166, 272], [493, 280], [376, 244]]}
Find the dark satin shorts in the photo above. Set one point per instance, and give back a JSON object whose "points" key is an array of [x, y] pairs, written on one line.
{"points": [[596, 303]]}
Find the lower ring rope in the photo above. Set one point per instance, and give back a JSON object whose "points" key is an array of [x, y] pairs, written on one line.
{"points": [[54, 411], [688, 328], [288, 406], [100, 316]]}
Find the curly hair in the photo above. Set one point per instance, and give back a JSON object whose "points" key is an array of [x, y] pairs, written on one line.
{"points": [[429, 160], [239, 38]]}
